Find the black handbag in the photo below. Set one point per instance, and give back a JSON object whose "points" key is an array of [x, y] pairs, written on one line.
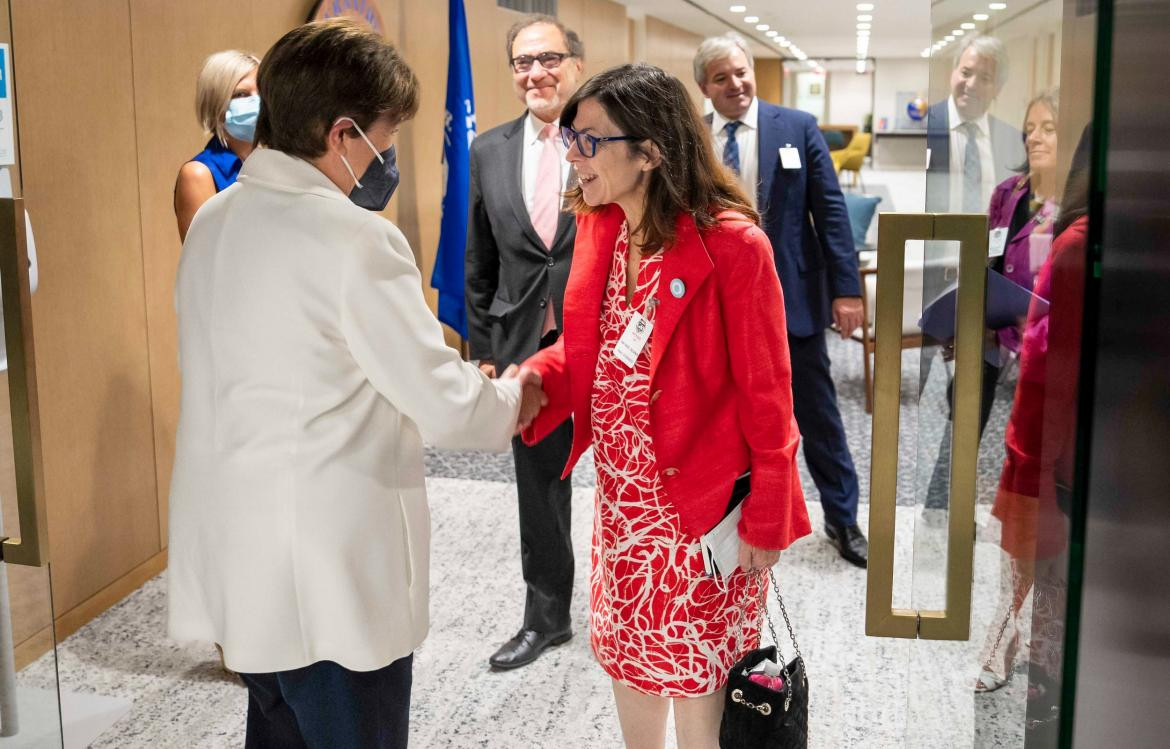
{"points": [[760, 718]]}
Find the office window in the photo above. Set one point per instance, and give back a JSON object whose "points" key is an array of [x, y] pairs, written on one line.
{"points": [[548, 7]]}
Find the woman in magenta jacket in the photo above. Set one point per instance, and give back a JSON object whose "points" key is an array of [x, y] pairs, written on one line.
{"points": [[674, 366], [1023, 207], [1027, 260]]}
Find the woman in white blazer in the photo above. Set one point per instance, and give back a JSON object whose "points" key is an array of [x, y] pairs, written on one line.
{"points": [[313, 371]]}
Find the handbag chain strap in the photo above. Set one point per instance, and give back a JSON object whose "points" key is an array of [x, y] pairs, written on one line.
{"points": [[787, 621], [767, 617]]}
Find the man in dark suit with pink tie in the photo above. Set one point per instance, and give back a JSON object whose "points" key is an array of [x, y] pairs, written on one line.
{"points": [[519, 247]]}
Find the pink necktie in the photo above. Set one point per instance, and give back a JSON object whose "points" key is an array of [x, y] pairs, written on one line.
{"points": [[545, 208], [546, 205]]}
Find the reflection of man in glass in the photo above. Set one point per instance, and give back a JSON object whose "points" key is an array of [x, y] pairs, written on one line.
{"points": [[970, 151]]}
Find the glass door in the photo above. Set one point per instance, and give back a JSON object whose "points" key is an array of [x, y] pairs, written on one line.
{"points": [[30, 701], [970, 536]]}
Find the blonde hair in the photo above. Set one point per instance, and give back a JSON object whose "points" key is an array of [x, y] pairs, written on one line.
{"points": [[216, 84]]}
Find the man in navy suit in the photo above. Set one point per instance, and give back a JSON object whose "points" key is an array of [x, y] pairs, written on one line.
{"points": [[783, 161], [971, 152]]}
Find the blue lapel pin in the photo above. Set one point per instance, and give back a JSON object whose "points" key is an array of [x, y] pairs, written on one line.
{"points": [[677, 288]]}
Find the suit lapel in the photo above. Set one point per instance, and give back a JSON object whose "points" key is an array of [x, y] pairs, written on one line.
{"points": [[686, 261], [567, 219], [514, 153], [769, 142]]}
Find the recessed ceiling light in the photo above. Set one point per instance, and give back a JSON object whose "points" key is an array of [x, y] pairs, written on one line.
{"points": [[751, 19], [864, 17], [949, 38], [773, 33], [865, 26], [924, 53], [981, 16], [762, 27], [864, 32], [998, 6], [738, 8], [968, 26], [865, 6]]}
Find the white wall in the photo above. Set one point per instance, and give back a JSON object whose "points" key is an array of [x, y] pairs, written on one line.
{"points": [[892, 75], [849, 97]]}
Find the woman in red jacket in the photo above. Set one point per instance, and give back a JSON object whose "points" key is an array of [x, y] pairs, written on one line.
{"points": [[674, 366]]}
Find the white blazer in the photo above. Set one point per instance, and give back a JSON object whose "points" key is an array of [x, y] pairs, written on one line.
{"points": [[312, 372]]}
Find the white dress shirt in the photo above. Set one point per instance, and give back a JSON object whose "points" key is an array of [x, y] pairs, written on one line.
{"points": [[748, 139], [958, 141], [533, 148]]}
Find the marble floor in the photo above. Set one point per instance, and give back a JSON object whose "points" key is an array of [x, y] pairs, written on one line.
{"points": [[866, 692]]}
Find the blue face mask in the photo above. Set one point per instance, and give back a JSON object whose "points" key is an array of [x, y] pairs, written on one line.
{"points": [[240, 118], [380, 180]]}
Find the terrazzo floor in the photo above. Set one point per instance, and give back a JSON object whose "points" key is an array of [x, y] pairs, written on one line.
{"points": [[866, 692]]}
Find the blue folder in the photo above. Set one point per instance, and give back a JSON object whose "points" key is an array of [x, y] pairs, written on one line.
{"points": [[1007, 303]]}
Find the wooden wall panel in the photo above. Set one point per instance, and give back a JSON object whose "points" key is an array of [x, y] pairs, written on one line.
{"points": [[175, 38], [606, 33], [673, 49], [77, 138], [770, 80]]}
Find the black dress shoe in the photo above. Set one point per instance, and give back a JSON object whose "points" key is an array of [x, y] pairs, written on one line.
{"points": [[850, 542], [526, 647]]}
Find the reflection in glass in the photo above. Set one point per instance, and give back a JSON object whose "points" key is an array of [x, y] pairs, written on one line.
{"points": [[1033, 497]]}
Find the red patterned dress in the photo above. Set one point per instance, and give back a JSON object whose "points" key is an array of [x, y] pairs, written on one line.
{"points": [[657, 623]]}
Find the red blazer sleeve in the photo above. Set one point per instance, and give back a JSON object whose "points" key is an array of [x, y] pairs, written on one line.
{"points": [[552, 366], [752, 303]]}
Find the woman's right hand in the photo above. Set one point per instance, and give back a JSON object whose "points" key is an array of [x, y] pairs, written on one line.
{"points": [[532, 396]]}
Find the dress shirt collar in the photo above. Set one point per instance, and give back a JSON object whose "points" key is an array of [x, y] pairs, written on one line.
{"points": [[532, 127], [750, 119], [956, 121]]}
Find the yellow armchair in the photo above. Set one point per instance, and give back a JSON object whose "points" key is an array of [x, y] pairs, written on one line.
{"points": [[852, 157]]}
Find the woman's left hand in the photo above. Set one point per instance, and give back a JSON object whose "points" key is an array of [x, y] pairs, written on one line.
{"points": [[753, 559]]}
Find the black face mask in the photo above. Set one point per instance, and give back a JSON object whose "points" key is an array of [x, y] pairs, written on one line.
{"points": [[378, 183]]}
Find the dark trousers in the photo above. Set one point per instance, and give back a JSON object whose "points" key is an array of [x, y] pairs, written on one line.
{"points": [[938, 491], [546, 503], [546, 549], [825, 450], [327, 706]]}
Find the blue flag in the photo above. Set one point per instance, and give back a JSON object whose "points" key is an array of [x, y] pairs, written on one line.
{"points": [[458, 132]]}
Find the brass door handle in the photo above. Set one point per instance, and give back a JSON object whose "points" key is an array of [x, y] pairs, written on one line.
{"points": [[894, 229], [31, 547]]}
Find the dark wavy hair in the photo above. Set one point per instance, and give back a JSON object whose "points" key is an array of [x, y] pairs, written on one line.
{"points": [[647, 102]]}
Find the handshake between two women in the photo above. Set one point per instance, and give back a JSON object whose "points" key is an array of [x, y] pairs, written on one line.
{"points": [[532, 396]]}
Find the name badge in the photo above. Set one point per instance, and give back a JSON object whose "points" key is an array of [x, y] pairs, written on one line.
{"points": [[634, 338], [789, 158], [996, 241]]}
